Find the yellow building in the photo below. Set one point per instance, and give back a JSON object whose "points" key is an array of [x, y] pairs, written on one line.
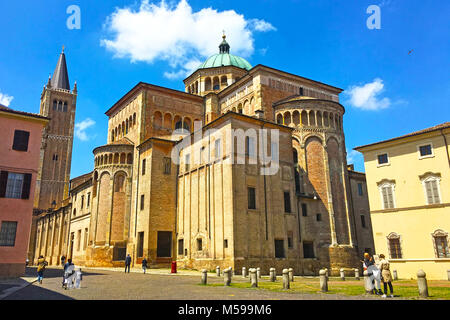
{"points": [[408, 181]]}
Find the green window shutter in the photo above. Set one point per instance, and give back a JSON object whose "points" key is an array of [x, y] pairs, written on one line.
{"points": [[26, 186]]}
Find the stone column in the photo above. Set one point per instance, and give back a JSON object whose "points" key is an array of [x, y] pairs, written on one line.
{"points": [[286, 284], [204, 276], [422, 283], [367, 283], [253, 278], [357, 274], [227, 277], [342, 272], [291, 275], [258, 273], [244, 272], [323, 280], [218, 271], [273, 275]]}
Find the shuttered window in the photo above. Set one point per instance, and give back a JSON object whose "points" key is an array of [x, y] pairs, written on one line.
{"points": [[279, 249], [388, 197], [395, 249], [441, 247], [8, 234], [431, 188], [21, 140]]}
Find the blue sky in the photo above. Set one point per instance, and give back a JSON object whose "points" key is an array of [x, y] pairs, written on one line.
{"points": [[390, 91]]}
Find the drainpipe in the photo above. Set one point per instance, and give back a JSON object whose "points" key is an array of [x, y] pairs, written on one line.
{"points": [[446, 146]]}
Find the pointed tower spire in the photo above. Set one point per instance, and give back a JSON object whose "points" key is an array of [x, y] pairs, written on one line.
{"points": [[224, 46], [60, 79]]}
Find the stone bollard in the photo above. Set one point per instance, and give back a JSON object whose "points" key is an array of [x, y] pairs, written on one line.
{"points": [[227, 277], [357, 274], [286, 284], [253, 277], [273, 274], [342, 272], [422, 284], [326, 272], [204, 276], [395, 275], [244, 272], [323, 280], [367, 283], [448, 275], [291, 275], [218, 271], [258, 273]]}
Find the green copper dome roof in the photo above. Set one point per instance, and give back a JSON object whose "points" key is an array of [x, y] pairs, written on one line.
{"points": [[224, 58]]}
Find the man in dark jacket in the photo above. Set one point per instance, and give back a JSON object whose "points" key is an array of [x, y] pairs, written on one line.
{"points": [[127, 263]]}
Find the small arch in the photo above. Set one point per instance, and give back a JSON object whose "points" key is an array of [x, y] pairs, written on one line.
{"points": [[304, 118], [65, 107], [134, 119], [187, 124], [287, 118], [116, 158], [120, 131], [110, 158], [178, 123], [216, 84], [246, 107], [168, 121], [129, 158], [319, 119], [279, 119], [326, 122], [208, 84], [112, 135], [122, 158], [224, 81], [331, 117], [157, 119], [239, 108], [296, 117], [131, 122], [126, 126], [312, 118]]}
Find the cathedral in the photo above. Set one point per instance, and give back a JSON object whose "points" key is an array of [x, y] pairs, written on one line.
{"points": [[310, 213]]}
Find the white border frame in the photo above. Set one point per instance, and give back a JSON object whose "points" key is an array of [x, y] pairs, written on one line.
{"points": [[422, 145]]}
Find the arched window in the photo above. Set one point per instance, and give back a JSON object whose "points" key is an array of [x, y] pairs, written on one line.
{"points": [[65, 107], [216, 84], [55, 105], [387, 193], [208, 84], [134, 119], [59, 106], [431, 186], [279, 119], [394, 246], [440, 242]]}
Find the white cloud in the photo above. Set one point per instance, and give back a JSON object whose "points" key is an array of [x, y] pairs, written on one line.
{"points": [[353, 156], [5, 99], [81, 127], [261, 25], [366, 97], [178, 35]]}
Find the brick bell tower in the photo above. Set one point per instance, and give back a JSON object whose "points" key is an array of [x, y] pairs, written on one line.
{"points": [[58, 103]]}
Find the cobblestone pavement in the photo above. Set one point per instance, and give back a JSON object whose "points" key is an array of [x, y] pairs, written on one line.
{"points": [[158, 285]]}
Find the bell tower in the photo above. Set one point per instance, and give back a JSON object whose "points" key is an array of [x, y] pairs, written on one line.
{"points": [[58, 102]]}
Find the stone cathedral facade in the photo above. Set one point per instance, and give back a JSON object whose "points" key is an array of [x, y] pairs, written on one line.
{"points": [[210, 212]]}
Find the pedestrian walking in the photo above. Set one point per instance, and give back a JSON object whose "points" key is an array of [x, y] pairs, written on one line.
{"points": [[78, 279], [41, 268], [127, 263], [144, 265], [386, 276], [69, 275], [67, 272]]}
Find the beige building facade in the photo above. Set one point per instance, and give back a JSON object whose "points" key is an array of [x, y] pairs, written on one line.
{"points": [[408, 179], [215, 213]]}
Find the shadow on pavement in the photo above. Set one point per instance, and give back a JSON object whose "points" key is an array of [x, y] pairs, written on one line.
{"points": [[34, 292]]}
